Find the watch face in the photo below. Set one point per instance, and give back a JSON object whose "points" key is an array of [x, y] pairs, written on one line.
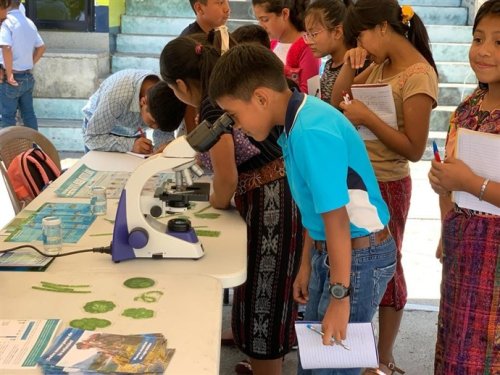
{"points": [[339, 291]]}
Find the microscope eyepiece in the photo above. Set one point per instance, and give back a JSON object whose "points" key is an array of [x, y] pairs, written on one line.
{"points": [[206, 134]]}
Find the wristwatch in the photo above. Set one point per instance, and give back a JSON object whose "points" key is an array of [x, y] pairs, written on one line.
{"points": [[339, 291]]}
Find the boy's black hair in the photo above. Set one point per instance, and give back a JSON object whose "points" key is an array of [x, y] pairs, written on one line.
{"points": [[4, 4], [366, 14], [244, 68], [166, 109], [251, 34], [192, 2]]}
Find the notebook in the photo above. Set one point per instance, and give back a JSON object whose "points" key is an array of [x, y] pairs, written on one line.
{"points": [[360, 340], [481, 152], [377, 97]]}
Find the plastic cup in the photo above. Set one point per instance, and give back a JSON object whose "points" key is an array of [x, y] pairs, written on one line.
{"points": [[98, 200], [52, 235]]}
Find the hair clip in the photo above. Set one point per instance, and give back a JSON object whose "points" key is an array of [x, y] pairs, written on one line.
{"points": [[198, 49], [407, 14]]}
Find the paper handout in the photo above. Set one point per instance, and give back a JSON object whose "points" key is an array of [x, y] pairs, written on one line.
{"points": [[360, 340], [377, 97]]}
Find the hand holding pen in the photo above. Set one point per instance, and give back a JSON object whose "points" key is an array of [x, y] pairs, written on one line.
{"points": [[142, 145], [332, 340], [346, 97], [436, 152]]}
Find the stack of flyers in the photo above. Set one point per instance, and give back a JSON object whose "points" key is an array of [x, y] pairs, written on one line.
{"points": [[78, 351]]}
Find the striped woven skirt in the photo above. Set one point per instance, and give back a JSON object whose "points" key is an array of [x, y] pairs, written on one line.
{"points": [[468, 339], [264, 312], [397, 195]]}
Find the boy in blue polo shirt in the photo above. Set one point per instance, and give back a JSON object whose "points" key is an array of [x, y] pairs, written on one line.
{"points": [[349, 251], [22, 47]]}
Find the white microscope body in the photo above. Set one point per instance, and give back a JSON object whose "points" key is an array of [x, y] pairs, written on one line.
{"points": [[139, 235]]}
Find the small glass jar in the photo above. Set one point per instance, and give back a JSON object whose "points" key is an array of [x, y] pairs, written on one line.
{"points": [[52, 235], [98, 200]]}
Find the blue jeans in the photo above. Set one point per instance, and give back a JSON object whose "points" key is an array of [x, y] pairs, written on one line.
{"points": [[371, 269], [18, 97]]}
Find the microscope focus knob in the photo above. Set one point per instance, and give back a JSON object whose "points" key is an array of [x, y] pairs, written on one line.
{"points": [[155, 211], [138, 238]]}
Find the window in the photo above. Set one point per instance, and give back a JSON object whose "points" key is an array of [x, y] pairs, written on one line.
{"points": [[62, 14]]}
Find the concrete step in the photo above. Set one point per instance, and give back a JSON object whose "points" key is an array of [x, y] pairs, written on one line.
{"points": [[451, 52], [66, 135], [440, 138], [70, 73], [122, 61], [159, 8], [435, 15], [452, 94], [440, 118], [59, 108], [137, 43], [154, 25], [455, 72], [446, 12], [449, 33], [171, 26]]}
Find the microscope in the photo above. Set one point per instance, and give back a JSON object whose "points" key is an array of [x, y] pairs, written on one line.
{"points": [[138, 234]]}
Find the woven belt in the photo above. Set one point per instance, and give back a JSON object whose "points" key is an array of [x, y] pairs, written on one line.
{"points": [[360, 242], [258, 177]]}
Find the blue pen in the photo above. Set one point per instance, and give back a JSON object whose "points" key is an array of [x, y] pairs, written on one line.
{"points": [[436, 152], [312, 328]]}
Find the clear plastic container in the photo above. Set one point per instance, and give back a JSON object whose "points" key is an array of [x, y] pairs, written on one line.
{"points": [[52, 235], [98, 200]]}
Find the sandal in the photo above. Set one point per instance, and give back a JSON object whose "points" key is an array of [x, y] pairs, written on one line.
{"points": [[377, 371], [243, 367]]}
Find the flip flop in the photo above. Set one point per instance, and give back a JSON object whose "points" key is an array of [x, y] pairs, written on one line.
{"points": [[243, 367]]}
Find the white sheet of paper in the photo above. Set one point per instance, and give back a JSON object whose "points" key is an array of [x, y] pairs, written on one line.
{"points": [[22, 341], [142, 156], [360, 339], [313, 86], [377, 97], [481, 152]]}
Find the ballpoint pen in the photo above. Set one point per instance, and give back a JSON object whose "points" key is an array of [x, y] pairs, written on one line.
{"points": [[141, 132], [337, 342], [436, 152], [346, 97]]}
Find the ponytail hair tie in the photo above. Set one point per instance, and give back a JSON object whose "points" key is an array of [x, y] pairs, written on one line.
{"points": [[407, 14], [198, 49]]}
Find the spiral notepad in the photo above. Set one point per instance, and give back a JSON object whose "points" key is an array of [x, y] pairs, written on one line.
{"points": [[360, 339]]}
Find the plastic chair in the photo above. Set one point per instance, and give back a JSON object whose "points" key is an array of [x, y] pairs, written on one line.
{"points": [[17, 139]]}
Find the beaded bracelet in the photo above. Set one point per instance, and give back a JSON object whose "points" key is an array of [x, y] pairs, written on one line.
{"points": [[483, 188]]}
